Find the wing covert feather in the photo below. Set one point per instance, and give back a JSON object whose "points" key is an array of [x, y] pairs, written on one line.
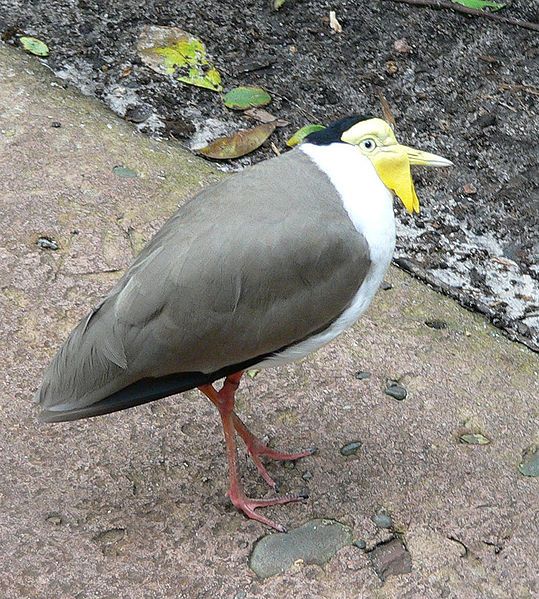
{"points": [[256, 263]]}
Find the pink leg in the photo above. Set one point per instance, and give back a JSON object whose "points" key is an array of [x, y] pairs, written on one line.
{"points": [[224, 401], [256, 448]]}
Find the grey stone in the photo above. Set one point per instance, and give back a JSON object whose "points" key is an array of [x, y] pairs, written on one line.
{"points": [[316, 542], [382, 520], [529, 466], [361, 375], [396, 391], [46, 243], [360, 544], [350, 448]]}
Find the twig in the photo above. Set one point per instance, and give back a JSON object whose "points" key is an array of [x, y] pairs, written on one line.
{"points": [[441, 5], [527, 89]]}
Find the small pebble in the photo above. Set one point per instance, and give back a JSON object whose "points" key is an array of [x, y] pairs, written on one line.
{"points": [[529, 466], [487, 120], [391, 68], [436, 324], [351, 448], [385, 286], [56, 124], [124, 171], [137, 114], [360, 544], [55, 519], [469, 189], [402, 46], [45, 243], [307, 475], [361, 375], [382, 520], [396, 391]]}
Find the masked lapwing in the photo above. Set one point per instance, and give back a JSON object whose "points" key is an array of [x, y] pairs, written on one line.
{"points": [[259, 270]]}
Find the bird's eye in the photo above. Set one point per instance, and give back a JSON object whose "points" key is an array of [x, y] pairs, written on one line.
{"points": [[368, 145]]}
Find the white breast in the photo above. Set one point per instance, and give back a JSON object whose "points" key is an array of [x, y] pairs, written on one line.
{"points": [[370, 206]]}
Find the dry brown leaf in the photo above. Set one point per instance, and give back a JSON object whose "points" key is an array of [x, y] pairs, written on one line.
{"points": [[263, 116], [238, 144], [386, 110]]}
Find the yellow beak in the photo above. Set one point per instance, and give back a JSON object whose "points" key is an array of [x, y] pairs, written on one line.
{"points": [[392, 164]]}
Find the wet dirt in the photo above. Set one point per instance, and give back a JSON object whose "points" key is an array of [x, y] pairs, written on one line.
{"points": [[464, 87]]}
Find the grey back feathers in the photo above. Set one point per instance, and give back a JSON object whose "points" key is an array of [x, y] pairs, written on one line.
{"points": [[254, 264]]}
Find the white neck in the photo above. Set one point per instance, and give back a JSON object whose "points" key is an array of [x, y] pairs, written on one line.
{"points": [[366, 199], [370, 207]]}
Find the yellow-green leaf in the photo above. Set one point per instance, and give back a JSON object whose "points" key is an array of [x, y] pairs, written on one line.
{"points": [[278, 3], [480, 4], [238, 144], [302, 133], [246, 96], [172, 51], [34, 46]]}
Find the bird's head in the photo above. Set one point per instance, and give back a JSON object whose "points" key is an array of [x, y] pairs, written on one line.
{"points": [[374, 138]]}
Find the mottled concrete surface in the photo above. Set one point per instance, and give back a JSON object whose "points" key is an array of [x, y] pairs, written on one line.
{"points": [[133, 504]]}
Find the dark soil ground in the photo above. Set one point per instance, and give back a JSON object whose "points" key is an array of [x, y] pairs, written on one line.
{"points": [[467, 89]]}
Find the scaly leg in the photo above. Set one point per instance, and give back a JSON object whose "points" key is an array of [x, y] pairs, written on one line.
{"points": [[256, 448], [224, 401]]}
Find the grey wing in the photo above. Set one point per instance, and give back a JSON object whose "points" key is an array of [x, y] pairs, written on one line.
{"points": [[221, 284]]}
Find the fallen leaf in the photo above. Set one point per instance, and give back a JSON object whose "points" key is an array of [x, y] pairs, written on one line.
{"points": [[302, 133], [238, 144], [34, 46], [246, 96], [264, 116], [252, 373], [334, 23], [474, 439], [480, 4], [278, 3], [172, 51]]}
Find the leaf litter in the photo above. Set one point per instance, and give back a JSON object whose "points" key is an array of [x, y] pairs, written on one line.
{"points": [[172, 51]]}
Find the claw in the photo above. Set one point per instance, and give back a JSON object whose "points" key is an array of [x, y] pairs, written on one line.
{"points": [[248, 506]]}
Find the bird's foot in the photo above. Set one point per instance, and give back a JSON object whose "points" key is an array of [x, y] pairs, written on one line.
{"points": [[257, 449], [248, 506]]}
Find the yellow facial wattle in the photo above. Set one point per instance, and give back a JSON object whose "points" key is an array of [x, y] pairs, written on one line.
{"points": [[393, 167], [392, 161]]}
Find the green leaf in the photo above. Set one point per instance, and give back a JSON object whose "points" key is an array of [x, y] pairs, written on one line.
{"points": [[34, 46], [480, 4], [172, 51], [302, 133], [239, 143], [244, 97], [278, 3]]}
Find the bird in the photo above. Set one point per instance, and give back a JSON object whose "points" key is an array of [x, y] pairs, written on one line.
{"points": [[256, 271]]}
